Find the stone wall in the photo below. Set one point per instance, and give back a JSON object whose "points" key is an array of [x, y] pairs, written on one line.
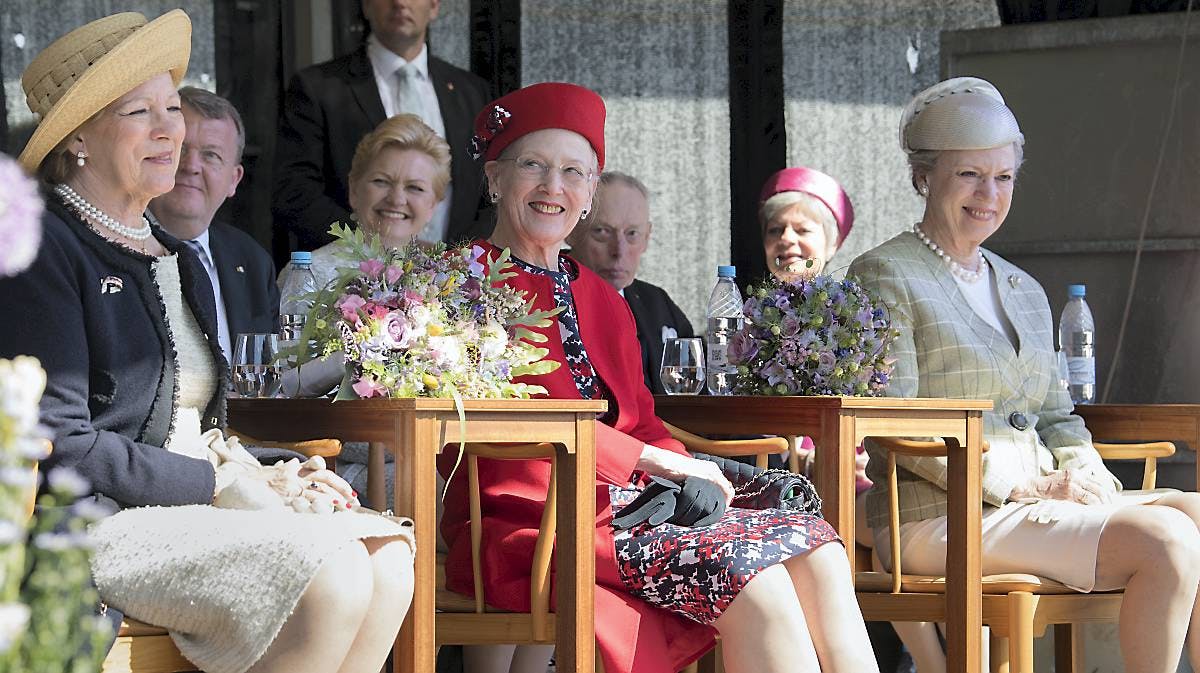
{"points": [[847, 75], [662, 69]]}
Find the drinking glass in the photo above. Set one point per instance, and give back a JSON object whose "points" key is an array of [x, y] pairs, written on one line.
{"points": [[682, 371], [256, 371]]}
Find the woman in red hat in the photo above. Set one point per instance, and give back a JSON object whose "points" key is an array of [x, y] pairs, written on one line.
{"points": [[780, 597]]}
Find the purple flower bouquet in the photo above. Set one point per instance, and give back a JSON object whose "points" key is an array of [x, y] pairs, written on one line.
{"points": [[813, 336]]}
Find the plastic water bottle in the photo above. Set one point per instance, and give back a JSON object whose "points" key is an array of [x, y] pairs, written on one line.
{"points": [[725, 318], [1076, 338], [293, 304]]}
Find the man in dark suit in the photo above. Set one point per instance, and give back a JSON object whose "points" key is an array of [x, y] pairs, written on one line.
{"points": [[330, 106], [210, 168], [611, 242]]}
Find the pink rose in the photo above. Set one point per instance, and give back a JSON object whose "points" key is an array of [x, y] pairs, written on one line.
{"points": [[367, 388], [349, 306], [371, 267]]}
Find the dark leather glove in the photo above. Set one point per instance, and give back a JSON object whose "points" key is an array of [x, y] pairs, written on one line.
{"points": [[700, 503], [655, 505]]}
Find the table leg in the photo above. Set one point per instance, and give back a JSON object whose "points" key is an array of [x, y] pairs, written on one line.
{"points": [[964, 600], [376, 477], [835, 474], [415, 651], [575, 611]]}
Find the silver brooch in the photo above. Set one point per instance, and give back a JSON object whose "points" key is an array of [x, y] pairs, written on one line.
{"points": [[111, 285], [1014, 280]]}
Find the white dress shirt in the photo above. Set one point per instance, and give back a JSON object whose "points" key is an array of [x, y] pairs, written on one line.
{"points": [[386, 63], [206, 257]]}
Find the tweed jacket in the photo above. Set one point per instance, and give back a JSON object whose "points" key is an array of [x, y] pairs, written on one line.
{"points": [[946, 350]]}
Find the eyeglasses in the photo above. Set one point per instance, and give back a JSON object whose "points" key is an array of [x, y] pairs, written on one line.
{"points": [[537, 169], [602, 233]]}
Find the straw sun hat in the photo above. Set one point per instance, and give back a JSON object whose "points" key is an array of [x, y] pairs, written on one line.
{"points": [[95, 64]]}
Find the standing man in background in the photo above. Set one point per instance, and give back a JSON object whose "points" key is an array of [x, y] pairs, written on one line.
{"points": [[330, 106], [210, 168], [611, 242]]}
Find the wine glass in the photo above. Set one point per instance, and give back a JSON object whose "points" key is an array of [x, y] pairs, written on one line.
{"points": [[256, 371], [682, 371]]}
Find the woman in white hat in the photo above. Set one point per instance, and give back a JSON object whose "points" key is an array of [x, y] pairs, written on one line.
{"points": [[123, 320], [972, 325]]}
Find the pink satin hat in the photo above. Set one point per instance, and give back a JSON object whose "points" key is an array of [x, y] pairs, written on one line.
{"points": [[814, 182]]}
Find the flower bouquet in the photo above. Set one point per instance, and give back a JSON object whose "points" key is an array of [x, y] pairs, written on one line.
{"points": [[425, 321], [812, 336]]}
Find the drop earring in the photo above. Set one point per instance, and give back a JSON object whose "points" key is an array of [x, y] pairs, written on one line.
{"points": [[80, 158], [495, 197], [923, 188], [583, 215]]}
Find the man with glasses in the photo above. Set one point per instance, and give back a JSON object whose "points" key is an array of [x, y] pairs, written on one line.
{"points": [[210, 168], [611, 242]]}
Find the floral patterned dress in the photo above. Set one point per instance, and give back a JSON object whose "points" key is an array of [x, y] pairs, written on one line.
{"points": [[695, 572]]}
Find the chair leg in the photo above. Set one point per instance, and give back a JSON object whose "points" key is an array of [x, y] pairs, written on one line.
{"points": [[1020, 632], [998, 653], [1068, 649], [711, 661]]}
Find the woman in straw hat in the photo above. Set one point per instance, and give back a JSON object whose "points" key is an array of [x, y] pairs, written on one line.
{"points": [[774, 583], [972, 325], [123, 320]]}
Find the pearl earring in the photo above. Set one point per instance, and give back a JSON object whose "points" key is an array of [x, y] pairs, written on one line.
{"points": [[80, 158], [923, 188]]}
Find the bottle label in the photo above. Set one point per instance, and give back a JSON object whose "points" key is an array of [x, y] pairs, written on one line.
{"points": [[1081, 370], [718, 355]]}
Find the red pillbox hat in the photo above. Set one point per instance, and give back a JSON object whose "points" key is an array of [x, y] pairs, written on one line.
{"points": [[550, 105]]}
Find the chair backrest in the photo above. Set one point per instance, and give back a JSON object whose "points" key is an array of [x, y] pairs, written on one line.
{"points": [[539, 572]]}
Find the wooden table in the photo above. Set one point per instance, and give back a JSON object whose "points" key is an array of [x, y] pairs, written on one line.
{"points": [[416, 430], [1144, 423], [839, 424]]}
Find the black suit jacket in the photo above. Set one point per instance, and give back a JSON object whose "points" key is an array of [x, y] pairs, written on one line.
{"points": [[652, 311], [328, 108], [247, 277]]}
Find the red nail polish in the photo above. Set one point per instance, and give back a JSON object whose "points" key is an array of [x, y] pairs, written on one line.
{"points": [[354, 493], [335, 503]]}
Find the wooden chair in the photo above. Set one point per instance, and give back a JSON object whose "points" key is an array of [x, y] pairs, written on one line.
{"points": [[145, 648], [1017, 607], [463, 620]]}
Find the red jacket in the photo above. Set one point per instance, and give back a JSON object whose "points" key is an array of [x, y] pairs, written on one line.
{"points": [[632, 636]]}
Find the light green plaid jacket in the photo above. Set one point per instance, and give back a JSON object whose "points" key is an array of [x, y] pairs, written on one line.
{"points": [[946, 350]]}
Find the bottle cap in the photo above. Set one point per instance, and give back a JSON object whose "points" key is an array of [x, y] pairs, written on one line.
{"points": [[301, 257], [726, 271], [1076, 291]]}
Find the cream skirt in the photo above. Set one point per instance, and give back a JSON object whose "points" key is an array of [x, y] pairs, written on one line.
{"points": [[1055, 539], [221, 581]]}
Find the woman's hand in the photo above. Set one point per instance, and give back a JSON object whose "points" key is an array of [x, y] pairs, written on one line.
{"points": [[677, 467], [1070, 485]]}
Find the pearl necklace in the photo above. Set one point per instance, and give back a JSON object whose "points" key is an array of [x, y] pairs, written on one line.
{"points": [[962, 273], [98, 216]]}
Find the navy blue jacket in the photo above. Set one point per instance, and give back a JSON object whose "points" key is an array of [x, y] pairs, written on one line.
{"points": [[90, 312]]}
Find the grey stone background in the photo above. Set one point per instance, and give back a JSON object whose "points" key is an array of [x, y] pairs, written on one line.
{"points": [[846, 79]]}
